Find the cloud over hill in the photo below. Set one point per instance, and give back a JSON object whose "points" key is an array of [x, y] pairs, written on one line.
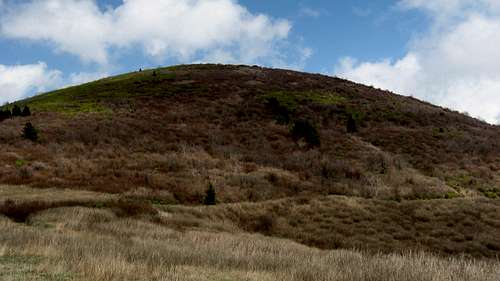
{"points": [[456, 63], [19, 79]]}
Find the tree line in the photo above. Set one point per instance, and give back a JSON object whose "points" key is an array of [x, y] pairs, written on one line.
{"points": [[15, 112]]}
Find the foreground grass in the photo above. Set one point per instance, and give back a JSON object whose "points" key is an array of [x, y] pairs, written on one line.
{"points": [[93, 244], [83, 243]]}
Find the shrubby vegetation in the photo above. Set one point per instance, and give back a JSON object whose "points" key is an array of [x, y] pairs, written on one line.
{"points": [[303, 129], [16, 111], [30, 132], [282, 113], [351, 125], [5, 114], [156, 140], [210, 197]]}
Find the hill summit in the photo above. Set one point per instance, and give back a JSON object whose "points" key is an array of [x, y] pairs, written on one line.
{"points": [[255, 135]]}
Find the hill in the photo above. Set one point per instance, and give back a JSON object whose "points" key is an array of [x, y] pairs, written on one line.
{"points": [[320, 160]]}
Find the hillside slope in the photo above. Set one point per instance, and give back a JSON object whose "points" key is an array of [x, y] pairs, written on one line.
{"points": [[174, 128], [259, 135]]}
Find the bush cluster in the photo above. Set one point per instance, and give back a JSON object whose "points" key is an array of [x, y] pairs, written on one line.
{"points": [[281, 112], [131, 208], [303, 129], [20, 211], [300, 128], [15, 112], [5, 114], [30, 132]]}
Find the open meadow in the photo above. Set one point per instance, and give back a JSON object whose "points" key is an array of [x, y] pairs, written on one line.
{"points": [[101, 243]]}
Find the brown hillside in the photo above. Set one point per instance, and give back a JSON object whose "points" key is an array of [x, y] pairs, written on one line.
{"points": [[279, 144], [169, 131]]}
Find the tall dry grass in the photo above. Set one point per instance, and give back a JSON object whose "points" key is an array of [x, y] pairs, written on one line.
{"points": [[444, 226], [92, 244]]}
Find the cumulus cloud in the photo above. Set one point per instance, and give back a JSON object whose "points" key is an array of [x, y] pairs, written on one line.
{"points": [[20, 80], [181, 29], [386, 74], [455, 64], [84, 77]]}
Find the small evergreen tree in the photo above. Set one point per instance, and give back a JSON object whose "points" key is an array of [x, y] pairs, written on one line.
{"points": [[303, 129], [26, 111], [5, 114], [16, 111], [282, 113], [210, 195], [30, 132], [351, 125]]}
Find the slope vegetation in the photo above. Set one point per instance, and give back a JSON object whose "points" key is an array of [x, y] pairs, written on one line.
{"points": [[277, 140]]}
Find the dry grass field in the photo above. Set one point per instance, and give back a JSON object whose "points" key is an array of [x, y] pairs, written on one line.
{"points": [[446, 227], [80, 243], [316, 178]]}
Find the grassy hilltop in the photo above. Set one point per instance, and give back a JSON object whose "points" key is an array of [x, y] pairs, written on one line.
{"points": [[362, 176]]}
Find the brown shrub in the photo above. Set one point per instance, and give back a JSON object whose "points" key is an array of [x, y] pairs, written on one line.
{"points": [[131, 208], [20, 211], [264, 223]]}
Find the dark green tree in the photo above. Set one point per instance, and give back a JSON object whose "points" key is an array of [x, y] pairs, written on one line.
{"points": [[282, 113], [5, 114], [351, 125], [26, 111], [210, 197], [303, 129], [16, 111], [30, 132]]}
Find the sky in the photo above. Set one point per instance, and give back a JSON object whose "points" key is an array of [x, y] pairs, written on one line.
{"points": [[442, 51]]}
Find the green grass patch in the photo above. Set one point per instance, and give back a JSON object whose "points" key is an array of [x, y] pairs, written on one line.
{"points": [[20, 163], [293, 99], [285, 103], [451, 195], [490, 192], [97, 96], [459, 181]]}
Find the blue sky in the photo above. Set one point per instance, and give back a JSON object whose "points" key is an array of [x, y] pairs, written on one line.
{"points": [[427, 49], [367, 30]]}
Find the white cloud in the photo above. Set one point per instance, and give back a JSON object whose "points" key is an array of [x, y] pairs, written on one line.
{"points": [[181, 29], [309, 12], [76, 27], [84, 77], [396, 76], [455, 64], [20, 80], [451, 7]]}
